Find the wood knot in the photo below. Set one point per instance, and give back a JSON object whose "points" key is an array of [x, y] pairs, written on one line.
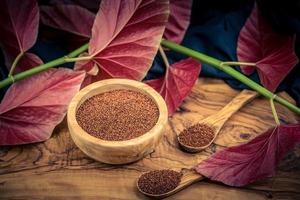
{"points": [[245, 136]]}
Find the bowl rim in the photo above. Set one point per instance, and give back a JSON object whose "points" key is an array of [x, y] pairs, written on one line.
{"points": [[137, 86]]}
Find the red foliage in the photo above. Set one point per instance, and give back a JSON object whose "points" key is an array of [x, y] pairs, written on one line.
{"points": [[71, 18], [272, 52], [18, 31], [179, 20], [246, 163], [32, 107], [128, 43], [177, 82]]}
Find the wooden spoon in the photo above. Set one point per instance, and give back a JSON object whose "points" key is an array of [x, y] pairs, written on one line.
{"points": [[216, 121], [188, 177]]}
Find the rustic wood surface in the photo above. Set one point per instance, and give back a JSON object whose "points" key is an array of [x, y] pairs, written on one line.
{"points": [[57, 169]]}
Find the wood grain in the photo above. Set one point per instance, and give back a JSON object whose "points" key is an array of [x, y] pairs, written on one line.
{"points": [[57, 169]]}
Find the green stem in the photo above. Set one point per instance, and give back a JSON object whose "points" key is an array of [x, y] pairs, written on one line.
{"points": [[42, 67], [13, 66], [274, 111], [239, 63], [230, 71], [164, 57], [67, 59]]}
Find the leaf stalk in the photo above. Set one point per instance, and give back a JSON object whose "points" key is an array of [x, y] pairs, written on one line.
{"points": [[14, 64], [239, 64], [164, 56], [82, 58], [274, 111]]}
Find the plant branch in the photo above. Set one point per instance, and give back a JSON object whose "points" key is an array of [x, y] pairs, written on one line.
{"points": [[164, 56], [42, 67], [274, 111], [230, 71], [13, 66]]}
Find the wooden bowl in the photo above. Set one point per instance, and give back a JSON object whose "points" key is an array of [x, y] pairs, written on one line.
{"points": [[116, 152]]}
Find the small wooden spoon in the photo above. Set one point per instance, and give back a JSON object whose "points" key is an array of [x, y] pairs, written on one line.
{"points": [[188, 177], [216, 121]]}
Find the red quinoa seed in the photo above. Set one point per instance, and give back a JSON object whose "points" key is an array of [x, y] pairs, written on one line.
{"points": [[117, 115], [197, 135], [159, 181]]}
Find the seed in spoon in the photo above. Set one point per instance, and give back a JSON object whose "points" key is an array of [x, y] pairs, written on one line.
{"points": [[159, 181], [197, 135]]}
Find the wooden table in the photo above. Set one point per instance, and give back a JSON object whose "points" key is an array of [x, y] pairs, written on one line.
{"points": [[57, 169]]}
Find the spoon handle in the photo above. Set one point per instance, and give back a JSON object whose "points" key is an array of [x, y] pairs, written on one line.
{"points": [[234, 105], [189, 177]]}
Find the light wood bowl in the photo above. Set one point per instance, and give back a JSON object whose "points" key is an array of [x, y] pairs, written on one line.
{"points": [[116, 152]]}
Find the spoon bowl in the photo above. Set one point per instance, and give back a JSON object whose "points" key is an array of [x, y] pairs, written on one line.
{"points": [[188, 177], [217, 120], [194, 149]]}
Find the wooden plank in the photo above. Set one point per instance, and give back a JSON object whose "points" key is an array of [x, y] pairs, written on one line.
{"points": [[58, 169]]}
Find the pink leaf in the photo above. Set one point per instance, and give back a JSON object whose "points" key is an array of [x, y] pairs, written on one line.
{"points": [[31, 108], [128, 43], [272, 52], [177, 82], [28, 61], [70, 18], [179, 20], [19, 27], [246, 163], [89, 4]]}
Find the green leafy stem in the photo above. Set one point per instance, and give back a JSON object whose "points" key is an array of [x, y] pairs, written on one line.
{"points": [[223, 66], [68, 58]]}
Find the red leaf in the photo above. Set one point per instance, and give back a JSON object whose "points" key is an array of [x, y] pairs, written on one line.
{"points": [[89, 4], [70, 18], [177, 82], [246, 163], [19, 27], [272, 52], [128, 43], [179, 20], [28, 61], [31, 108]]}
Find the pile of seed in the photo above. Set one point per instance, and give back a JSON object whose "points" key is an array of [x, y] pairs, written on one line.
{"points": [[117, 115], [159, 181], [197, 135]]}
